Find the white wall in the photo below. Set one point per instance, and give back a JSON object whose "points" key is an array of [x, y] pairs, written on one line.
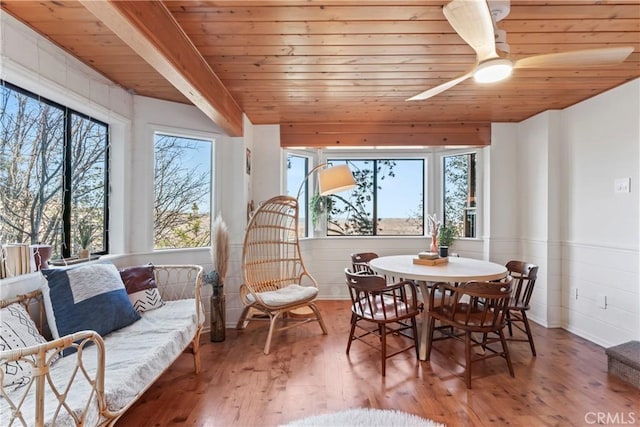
{"points": [[601, 252], [582, 234]]}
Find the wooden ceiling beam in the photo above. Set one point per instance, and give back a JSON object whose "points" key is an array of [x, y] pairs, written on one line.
{"points": [[152, 32], [319, 135]]}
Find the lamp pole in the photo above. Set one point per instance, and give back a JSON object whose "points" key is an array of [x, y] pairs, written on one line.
{"points": [[306, 178]]}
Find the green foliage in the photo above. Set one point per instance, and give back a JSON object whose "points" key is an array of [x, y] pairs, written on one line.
{"points": [[319, 205], [85, 233], [447, 235], [456, 176]]}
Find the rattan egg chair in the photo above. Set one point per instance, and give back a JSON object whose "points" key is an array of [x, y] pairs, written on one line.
{"points": [[275, 280]]}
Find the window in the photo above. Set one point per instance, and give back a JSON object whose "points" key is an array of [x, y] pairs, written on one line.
{"points": [[459, 191], [297, 170], [387, 201], [182, 206], [53, 174]]}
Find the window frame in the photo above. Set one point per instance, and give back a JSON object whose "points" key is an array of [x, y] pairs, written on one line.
{"points": [[479, 194], [384, 154], [303, 206], [66, 250], [193, 135]]}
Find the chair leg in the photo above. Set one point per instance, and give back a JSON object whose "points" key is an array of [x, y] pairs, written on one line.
{"points": [[414, 327], [272, 324], [354, 320], [505, 350], [430, 325], [525, 320], [467, 356], [313, 307], [383, 350], [242, 322], [509, 322]]}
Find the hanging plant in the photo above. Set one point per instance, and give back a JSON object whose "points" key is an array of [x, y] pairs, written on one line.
{"points": [[319, 205]]}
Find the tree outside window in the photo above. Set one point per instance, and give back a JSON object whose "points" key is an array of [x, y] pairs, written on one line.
{"points": [[459, 179], [53, 173], [182, 207], [387, 200]]}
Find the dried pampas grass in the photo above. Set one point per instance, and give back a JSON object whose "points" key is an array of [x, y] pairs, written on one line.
{"points": [[220, 247]]}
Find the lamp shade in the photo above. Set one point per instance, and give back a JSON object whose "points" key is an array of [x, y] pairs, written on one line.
{"points": [[335, 179]]}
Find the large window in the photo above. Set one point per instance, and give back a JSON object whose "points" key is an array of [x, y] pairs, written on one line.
{"points": [[182, 192], [53, 174], [387, 201], [459, 179]]}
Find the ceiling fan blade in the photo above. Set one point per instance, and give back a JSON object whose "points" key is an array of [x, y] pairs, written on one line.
{"points": [[472, 21], [577, 58], [441, 88]]}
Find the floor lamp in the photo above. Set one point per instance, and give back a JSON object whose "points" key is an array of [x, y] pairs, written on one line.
{"points": [[331, 180]]}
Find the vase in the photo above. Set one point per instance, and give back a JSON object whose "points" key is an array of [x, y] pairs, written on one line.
{"points": [[434, 244], [218, 330], [42, 255]]}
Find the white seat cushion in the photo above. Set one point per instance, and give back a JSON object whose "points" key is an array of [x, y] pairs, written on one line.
{"points": [[286, 296]]}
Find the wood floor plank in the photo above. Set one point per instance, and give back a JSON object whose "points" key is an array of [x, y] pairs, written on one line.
{"points": [[309, 373]]}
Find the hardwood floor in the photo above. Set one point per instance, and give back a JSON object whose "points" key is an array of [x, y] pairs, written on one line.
{"points": [[309, 373]]}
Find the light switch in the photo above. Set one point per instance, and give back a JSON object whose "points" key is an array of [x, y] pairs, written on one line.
{"points": [[621, 185]]}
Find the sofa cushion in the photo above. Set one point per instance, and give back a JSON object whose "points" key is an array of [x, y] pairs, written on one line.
{"points": [[287, 295], [90, 297], [140, 283], [17, 330]]}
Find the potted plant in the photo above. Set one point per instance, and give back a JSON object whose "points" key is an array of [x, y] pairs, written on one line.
{"points": [[84, 237], [446, 237]]}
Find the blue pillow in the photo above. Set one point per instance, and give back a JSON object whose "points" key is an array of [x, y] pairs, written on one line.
{"points": [[89, 297]]}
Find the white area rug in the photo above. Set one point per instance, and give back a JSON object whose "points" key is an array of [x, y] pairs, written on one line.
{"points": [[365, 418]]}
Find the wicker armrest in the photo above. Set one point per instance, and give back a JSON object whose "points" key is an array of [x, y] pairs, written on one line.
{"points": [[177, 282], [87, 376]]}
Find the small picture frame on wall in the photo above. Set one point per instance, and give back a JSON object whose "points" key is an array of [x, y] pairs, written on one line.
{"points": [[248, 161]]}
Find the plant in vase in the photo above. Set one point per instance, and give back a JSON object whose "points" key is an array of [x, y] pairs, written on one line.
{"points": [[215, 278], [447, 235], [84, 238]]}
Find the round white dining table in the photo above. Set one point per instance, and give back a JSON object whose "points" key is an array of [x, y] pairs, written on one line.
{"points": [[455, 270]]}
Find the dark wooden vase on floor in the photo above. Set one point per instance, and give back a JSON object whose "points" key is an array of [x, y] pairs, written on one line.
{"points": [[218, 330]]}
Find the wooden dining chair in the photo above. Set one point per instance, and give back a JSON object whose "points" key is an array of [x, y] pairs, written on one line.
{"points": [[360, 261], [524, 279], [471, 308], [378, 309]]}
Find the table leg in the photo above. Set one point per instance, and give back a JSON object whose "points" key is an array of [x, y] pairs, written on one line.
{"points": [[422, 353]]}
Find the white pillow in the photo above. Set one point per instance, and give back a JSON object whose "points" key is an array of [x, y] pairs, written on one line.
{"points": [[17, 330]]}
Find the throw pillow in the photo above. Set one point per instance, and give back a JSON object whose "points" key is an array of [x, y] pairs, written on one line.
{"points": [[89, 297], [17, 330], [140, 283]]}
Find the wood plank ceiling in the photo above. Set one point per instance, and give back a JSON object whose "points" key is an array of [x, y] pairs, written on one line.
{"points": [[338, 72]]}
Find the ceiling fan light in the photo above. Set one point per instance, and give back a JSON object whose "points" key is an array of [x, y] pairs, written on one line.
{"points": [[493, 70]]}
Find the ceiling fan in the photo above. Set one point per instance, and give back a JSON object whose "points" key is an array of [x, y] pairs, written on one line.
{"points": [[472, 20]]}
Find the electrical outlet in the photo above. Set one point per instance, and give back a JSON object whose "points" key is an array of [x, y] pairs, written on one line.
{"points": [[621, 185]]}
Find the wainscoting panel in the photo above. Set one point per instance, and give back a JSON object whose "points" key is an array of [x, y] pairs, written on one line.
{"points": [[596, 273]]}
